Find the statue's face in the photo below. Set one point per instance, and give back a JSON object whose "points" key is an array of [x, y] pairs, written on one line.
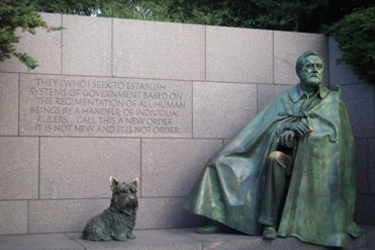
{"points": [[311, 73]]}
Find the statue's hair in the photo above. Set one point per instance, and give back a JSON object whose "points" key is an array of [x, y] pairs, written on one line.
{"points": [[302, 58]]}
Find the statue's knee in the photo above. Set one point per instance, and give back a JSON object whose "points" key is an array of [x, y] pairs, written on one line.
{"points": [[278, 157]]}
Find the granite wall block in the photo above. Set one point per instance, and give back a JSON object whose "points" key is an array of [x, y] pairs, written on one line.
{"points": [[81, 167], [44, 47], [87, 45], [370, 239], [239, 55], [359, 99], [13, 217], [339, 73], [289, 46], [164, 213], [220, 110], [18, 168], [362, 166], [8, 104], [170, 167], [371, 162], [51, 216], [145, 49], [364, 213], [266, 93]]}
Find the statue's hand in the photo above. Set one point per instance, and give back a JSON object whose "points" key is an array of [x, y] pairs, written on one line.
{"points": [[299, 128], [286, 138]]}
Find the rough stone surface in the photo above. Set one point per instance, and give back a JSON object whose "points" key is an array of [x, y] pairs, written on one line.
{"points": [[362, 166], [38, 242], [171, 167], [44, 47], [8, 104], [149, 240], [239, 55], [13, 218], [224, 241], [182, 239], [371, 161], [370, 238], [81, 167], [18, 168], [339, 73], [158, 50], [164, 213], [364, 213], [355, 243], [359, 99], [266, 93], [104, 107], [87, 45], [222, 109], [53, 216], [289, 46]]}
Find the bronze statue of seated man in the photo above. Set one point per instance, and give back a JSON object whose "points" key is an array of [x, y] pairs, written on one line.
{"points": [[290, 171]]}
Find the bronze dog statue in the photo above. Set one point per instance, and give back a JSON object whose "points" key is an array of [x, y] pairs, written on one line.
{"points": [[116, 222]]}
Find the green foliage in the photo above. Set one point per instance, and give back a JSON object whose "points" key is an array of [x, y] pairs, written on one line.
{"points": [[355, 34], [17, 14], [80, 7], [289, 15]]}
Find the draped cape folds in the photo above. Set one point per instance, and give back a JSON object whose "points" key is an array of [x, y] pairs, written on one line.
{"points": [[320, 202]]}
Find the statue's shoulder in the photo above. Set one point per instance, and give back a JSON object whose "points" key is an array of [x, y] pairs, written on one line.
{"points": [[336, 90]]}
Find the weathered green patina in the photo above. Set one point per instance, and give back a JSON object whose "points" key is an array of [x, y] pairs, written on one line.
{"points": [[320, 200]]}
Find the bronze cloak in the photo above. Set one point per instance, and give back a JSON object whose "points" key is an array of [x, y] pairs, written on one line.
{"points": [[320, 202]]}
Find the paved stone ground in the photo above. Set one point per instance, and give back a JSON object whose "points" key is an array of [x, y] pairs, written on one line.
{"points": [[180, 239]]}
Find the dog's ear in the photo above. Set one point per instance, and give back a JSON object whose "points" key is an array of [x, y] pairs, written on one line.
{"points": [[113, 183], [135, 182]]}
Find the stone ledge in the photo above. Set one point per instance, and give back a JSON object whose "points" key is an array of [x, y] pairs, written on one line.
{"points": [[181, 239]]}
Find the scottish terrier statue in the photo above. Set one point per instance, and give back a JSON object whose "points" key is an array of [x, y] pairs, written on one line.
{"points": [[116, 222]]}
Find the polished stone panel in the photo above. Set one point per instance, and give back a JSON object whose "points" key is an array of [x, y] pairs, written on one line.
{"points": [[13, 218], [81, 167], [51, 216], [364, 212], [359, 99], [171, 167], [165, 212], [239, 55], [87, 45], [44, 47], [371, 162], [8, 104], [266, 93], [222, 109], [104, 107], [289, 46], [339, 73], [18, 168], [159, 50], [362, 159]]}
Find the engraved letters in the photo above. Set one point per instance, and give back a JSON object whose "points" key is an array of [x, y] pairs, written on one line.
{"points": [[84, 106]]}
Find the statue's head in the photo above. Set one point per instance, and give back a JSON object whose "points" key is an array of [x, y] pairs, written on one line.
{"points": [[310, 69]]}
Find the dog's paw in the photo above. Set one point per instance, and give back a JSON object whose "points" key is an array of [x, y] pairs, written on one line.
{"points": [[121, 237], [131, 236]]}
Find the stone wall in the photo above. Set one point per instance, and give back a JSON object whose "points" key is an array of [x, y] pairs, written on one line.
{"points": [[144, 99]]}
